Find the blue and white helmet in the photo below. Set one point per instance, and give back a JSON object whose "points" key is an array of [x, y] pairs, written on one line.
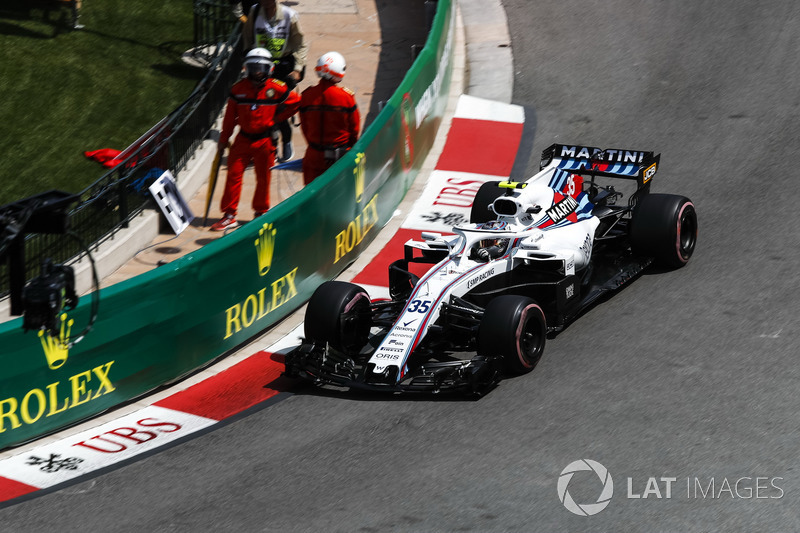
{"points": [[493, 225]]}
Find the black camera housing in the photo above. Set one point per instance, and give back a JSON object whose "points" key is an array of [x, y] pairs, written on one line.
{"points": [[46, 295]]}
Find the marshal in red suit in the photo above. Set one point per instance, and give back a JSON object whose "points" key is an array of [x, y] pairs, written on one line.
{"points": [[329, 117]]}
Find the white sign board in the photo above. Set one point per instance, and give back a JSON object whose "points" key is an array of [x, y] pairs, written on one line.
{"points": [[171, 203]]}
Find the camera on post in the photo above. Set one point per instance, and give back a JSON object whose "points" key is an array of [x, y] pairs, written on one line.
{"points": [[43, 298], [46, 295]]}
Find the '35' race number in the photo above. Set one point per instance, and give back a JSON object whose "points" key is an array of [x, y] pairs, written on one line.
{"points": [[419, 306]]}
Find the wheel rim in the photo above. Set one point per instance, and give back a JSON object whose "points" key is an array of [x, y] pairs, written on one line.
{"points": [[531, 337], [687, 232]]}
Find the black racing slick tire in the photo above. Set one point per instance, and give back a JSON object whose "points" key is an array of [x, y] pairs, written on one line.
{"points": [[487, 194], [514, 328], [338, 314], [664, 226]]}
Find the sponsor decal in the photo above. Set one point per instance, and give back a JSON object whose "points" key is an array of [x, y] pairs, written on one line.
{"points": [[256, 306], [609, 156], [477, 279], [649, 172], [56, 349], [622, 156], [569, 292], [54, 463], [63, 459], [357, 229], [358, 175], [562, 209], [265, 247], [390, 349], [119, 439], [448, 219], [459, 192], [55, 397], [581, 152]]}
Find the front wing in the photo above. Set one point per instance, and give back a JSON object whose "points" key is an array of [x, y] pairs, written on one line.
{"points": [[324, 366]]}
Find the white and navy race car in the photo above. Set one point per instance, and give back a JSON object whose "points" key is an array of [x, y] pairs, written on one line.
{"points": [[533, 257]]}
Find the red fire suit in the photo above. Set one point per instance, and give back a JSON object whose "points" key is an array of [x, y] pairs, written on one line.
{"points": [[256, 109], [330, 122]]}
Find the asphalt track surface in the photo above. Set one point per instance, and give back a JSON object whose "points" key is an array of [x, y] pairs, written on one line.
{"points": [[688, 374]]}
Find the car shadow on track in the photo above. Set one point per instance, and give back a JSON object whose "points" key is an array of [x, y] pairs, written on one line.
{"points": [[652, 270]]}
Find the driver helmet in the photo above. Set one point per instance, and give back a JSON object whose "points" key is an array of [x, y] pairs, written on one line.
{"points": [[258, 65], [493, 225], [331, 66], [486, 243]]}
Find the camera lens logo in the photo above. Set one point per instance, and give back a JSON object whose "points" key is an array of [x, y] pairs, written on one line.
{"points": [[585, 509]]}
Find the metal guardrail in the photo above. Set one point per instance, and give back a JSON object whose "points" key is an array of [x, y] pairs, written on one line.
{"points": [[213, 23], [109, 204]]}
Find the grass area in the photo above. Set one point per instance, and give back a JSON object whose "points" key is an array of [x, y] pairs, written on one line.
{"points": [[65, 92]]}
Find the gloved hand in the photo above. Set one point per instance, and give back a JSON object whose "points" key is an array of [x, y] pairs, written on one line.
{"points": [[292, 79]]}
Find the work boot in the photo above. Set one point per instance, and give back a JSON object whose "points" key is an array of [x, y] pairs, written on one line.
{"points": [[226, 222], [288, 152]]}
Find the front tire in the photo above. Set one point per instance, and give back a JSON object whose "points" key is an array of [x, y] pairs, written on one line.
{"points": [[514, 328], [339, 314], [664, 226]]}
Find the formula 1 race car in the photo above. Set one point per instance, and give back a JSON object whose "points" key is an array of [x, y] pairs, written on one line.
{"points": [[533, 257]]}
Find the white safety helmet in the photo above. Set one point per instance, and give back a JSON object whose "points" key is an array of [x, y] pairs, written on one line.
{"points": [[258, 64], [331, 66]]}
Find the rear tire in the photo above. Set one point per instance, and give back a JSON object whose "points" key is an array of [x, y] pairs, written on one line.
{"points": [[487, 194], [514, 328], [339, 314], [664, 226]]}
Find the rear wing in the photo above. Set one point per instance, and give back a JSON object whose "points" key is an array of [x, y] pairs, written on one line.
{"points": [[614, 163]]}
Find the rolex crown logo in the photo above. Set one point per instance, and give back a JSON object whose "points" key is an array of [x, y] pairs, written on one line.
{"points": [[265, 246], [358, 174], [56, 349]]}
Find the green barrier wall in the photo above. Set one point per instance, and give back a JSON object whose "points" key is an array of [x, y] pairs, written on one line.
{"points": [[169, 322]]}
